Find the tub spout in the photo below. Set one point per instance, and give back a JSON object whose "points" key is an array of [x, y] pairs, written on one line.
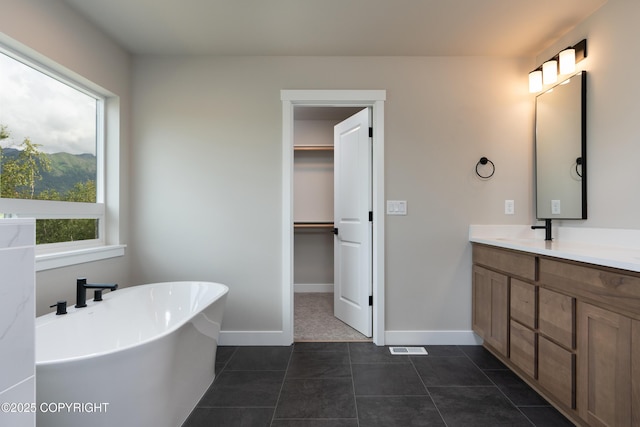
{"points": [[81, 290]]}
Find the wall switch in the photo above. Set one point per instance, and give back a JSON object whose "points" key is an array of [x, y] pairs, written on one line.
{"points": [[509, 207], [555, 207], [396, 207]]}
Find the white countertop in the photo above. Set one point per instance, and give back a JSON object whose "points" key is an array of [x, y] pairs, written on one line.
{"points": [[607, 247]]}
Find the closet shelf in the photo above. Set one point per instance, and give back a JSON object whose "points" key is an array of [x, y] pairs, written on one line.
{"points": [[313, 224], [313, 147]]}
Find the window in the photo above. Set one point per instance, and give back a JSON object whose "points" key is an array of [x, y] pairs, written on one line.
{"points": [[51, 150]]}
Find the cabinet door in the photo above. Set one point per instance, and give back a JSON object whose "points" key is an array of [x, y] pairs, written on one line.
{"points": [[491, 307], [604, 367]]}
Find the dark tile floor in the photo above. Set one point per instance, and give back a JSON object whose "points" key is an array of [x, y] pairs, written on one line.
{"points": [[360, 384]]}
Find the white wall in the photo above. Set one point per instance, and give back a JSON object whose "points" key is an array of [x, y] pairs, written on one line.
{"points": [[206, 190], [613, 109], [52, 29]]}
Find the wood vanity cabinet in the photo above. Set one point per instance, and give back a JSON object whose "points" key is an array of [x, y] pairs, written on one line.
{"points": [[571, 330], [491, 292]]}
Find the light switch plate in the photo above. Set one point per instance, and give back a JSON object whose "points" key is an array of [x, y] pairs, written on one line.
{"points": [[555, 207], [396, 207]]}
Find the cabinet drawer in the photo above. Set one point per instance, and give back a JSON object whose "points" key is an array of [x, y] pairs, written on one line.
{"points": [[556, 318], [615, 289], [512, 263], [523, 303], [556, 371], [523, 348]]}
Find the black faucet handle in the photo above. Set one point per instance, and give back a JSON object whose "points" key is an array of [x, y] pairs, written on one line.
{"points": [[61, 307], [547, 228], [97, 295]]}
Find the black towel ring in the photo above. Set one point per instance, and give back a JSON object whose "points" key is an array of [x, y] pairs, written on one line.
{"points": [[578, 163], [484, 161]]}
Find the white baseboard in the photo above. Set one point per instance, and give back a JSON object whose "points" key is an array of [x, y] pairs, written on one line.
{"points": [[264, 338], [247, 338], [431, 338], [312, 287]]}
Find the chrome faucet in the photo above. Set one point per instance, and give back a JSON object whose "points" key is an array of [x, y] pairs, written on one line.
{"points": [[81, 291], [547, 228]]}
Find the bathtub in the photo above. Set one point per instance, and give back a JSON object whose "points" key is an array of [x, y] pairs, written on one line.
{"points": [[143, 356]]}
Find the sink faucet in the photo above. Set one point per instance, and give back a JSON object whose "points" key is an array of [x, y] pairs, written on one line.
{"points": [[547, 228], [81, 291]]}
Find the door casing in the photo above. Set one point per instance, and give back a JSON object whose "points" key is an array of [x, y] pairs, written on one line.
{"points": [[333, 98]]}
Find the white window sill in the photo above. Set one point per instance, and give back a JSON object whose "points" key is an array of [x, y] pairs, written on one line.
{"points": [[78, 256]]}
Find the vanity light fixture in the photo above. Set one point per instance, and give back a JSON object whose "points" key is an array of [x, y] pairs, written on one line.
{"points": [[563, 63]]}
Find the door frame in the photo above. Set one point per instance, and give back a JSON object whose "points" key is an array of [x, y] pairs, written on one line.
{"points": [[333, 98]]}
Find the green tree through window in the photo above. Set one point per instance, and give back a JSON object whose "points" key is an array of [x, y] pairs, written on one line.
{"points": [[18, 177], [50, 140]]}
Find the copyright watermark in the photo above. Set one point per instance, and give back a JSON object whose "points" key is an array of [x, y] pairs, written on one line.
{"points": [[55, 407]]}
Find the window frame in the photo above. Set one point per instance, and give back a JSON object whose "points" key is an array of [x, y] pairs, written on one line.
{"points": [[62, 254]]}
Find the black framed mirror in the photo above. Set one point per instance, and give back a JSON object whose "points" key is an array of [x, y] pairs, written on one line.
{"points": [[561, 150]]}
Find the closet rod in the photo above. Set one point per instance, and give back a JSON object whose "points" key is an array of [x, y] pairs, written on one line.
{"points": [[313, 147], [319, 224]]}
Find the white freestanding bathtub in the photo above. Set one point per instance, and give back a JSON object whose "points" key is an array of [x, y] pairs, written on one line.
{"points": [[143, 356]]}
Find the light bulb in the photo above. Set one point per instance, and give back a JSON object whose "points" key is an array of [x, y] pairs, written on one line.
{"points": [[568, 61], [535, 81], [550, 72]]}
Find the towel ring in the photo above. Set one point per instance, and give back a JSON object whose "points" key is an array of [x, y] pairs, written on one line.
{"points": [[484, 161], [578, 163]]}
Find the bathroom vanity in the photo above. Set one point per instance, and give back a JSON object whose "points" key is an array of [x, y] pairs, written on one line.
{"points": [[564, 316]]}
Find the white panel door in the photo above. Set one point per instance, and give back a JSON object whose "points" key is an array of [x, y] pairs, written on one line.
{"points": [[352, 204]]}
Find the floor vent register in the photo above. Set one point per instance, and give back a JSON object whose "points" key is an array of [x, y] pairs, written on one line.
{"points": [[408, 351]]}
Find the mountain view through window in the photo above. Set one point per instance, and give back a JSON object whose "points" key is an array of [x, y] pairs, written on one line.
{"points": [[48, 142]]}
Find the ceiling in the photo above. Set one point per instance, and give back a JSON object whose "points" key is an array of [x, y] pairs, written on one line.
{"points": [[336, 27]]}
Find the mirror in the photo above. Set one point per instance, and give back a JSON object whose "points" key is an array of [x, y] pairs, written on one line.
{"points": [[561, 143]]}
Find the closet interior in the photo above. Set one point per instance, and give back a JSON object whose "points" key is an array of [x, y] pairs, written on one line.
{"points": [[313, 225]]}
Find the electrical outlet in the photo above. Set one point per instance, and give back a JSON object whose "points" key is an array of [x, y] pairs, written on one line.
{"points": [[555, 207], [509, 207]]}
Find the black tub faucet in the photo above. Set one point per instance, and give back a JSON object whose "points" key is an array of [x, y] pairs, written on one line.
{"points": [[81, 291], [547, 228]]}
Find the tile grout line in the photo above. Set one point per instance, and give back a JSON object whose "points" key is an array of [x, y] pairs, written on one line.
{"points": [[284, 378], [427, 390], [353, 386], [499, 389]]}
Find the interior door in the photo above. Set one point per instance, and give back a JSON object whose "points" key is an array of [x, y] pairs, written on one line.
{"points": [[353, 228]]}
